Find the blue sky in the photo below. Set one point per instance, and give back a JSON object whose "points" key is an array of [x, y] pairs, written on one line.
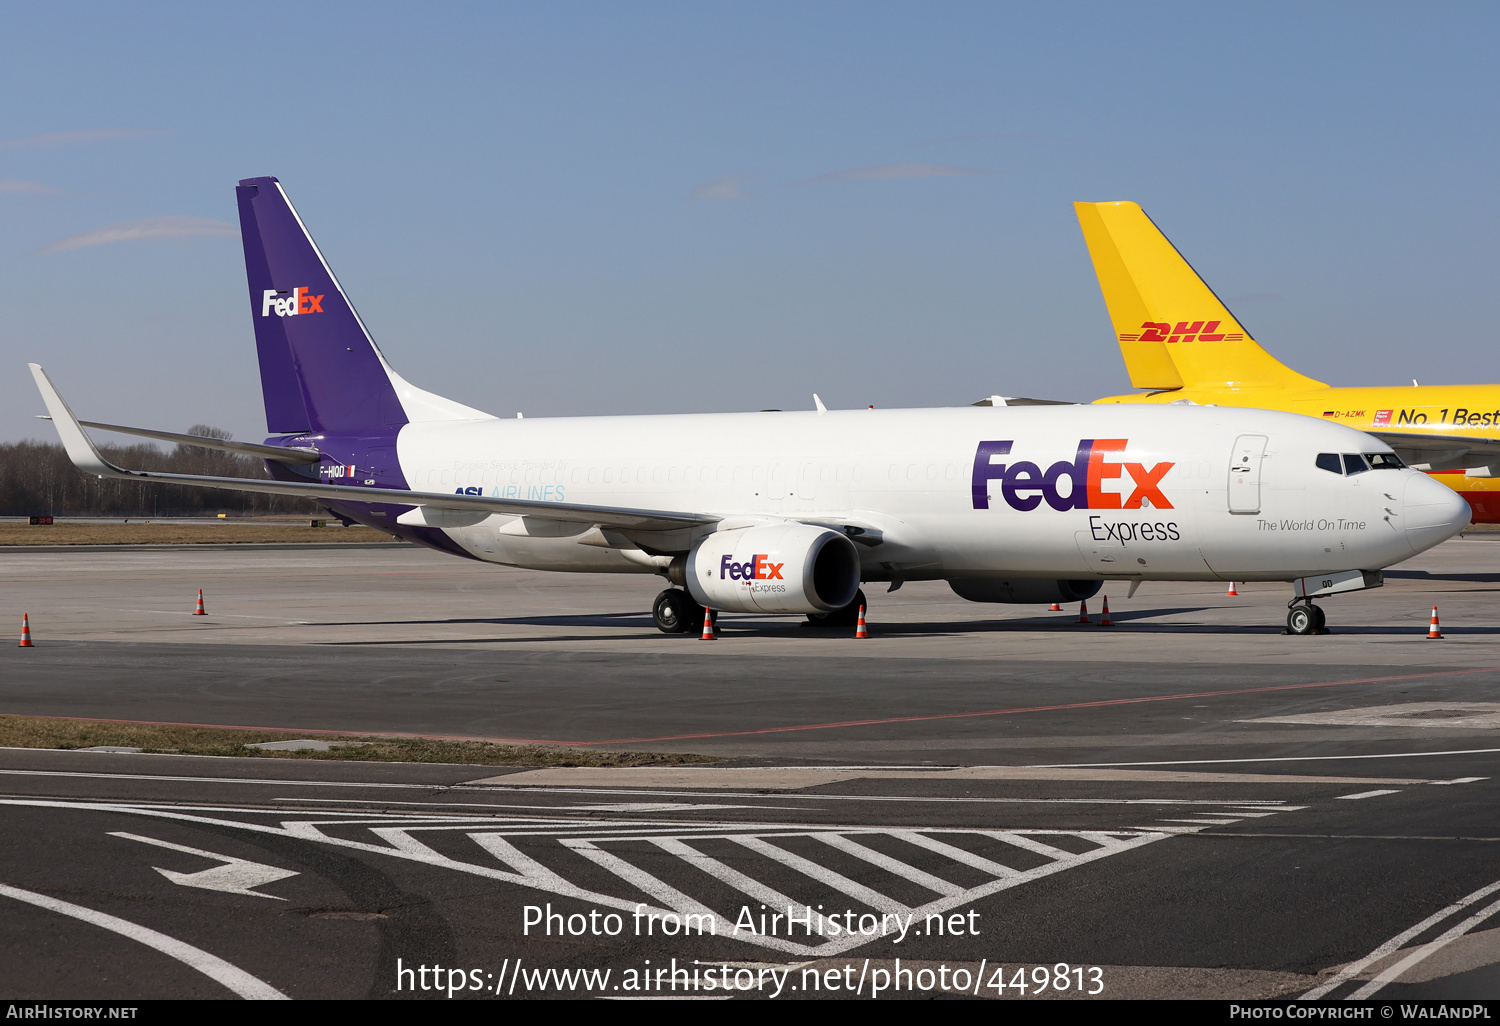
{"points": [[574, 208]]}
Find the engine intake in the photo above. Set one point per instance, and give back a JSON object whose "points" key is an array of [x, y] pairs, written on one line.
{"points": [[779, 568], [1023, 590]]}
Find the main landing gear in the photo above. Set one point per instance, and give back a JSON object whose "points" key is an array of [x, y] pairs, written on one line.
{"points": [[846, 616], [1302, 617], [676, 612]]}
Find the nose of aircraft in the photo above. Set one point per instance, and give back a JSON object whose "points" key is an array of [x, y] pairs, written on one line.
{"points": [[1433, 512]]}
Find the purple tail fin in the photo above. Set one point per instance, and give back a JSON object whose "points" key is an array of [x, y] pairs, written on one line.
{"points": [[319, 369]]}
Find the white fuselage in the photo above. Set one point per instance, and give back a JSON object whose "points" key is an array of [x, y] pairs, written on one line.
{"points": [[908, 478]]}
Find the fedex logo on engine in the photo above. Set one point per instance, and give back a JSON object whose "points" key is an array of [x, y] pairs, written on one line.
{"points": [[1024, 484], [289, 304], [760, 568]]}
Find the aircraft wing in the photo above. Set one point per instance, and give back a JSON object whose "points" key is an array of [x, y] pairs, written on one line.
{"points": [[1416, 447], [86, 457], [282, 454]]}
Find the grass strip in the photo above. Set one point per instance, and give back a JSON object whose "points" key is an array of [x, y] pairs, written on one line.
{"points": [[46, 732]]}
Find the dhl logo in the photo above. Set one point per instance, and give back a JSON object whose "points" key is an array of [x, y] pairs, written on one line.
{"points": [[1183, 331], [284, 304], [760, 568], [1024, 484]]}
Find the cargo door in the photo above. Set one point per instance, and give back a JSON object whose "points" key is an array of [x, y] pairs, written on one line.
{"points": [[1103, 557], [379, 467], [1244, 473]]}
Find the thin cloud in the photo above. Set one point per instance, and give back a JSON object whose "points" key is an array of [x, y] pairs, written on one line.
{"points": [[83, 137], [174, 228], [17, 187], [726, 188], [888, 172], [973, 138]]}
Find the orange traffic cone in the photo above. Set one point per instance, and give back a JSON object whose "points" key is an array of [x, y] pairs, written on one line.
{"points": [[1104, 619], [26, 632], [1083, 613], [1056, 608], [1434, 631], [708, 625], [1231, 593], [200, 611], [859, 630]]}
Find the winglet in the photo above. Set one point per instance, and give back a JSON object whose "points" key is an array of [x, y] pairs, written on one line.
{"points": [[80, 449]]}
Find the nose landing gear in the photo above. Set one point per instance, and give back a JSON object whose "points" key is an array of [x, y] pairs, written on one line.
{"points": [[676, 612], [1302, 617]]}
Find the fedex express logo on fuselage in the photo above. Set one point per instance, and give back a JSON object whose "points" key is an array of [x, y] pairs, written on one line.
{"points": [[1024, 484], [760, 568], [289, 304]]}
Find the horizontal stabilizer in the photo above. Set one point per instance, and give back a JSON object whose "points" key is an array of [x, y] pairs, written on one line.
{"points": [[1018, 400], [86, 457]]}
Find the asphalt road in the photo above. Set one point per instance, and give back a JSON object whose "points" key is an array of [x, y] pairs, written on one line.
{"points": [[1189, 802]]}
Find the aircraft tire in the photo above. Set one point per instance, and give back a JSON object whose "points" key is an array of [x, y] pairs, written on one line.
{"points": [[1321, 624], [675, 612], [847, 616], [1302, 619]]}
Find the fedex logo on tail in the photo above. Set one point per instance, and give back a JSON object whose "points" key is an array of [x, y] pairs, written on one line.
{"points": [[1024, 484], [760, 568], [289, 304]]}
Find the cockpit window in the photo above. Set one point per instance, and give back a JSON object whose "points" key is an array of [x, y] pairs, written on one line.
{"points": [[1354, 463], [1329, 461], [1384, 461]]}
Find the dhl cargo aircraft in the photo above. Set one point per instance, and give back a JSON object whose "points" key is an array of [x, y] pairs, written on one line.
{"points": [[791, 512], [1182, 343]]}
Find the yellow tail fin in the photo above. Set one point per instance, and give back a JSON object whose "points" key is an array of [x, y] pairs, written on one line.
{"points": [[1173, 331]]}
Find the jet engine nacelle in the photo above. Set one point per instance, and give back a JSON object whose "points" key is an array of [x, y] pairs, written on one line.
{"points": [[1022, 590], [778, 568]]}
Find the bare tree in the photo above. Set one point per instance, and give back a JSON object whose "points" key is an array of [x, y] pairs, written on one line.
{"points": [[38, 478]]}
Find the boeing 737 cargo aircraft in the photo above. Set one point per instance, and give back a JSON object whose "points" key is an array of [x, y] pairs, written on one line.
{"points": [[1180, 342], [791, 512]]}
